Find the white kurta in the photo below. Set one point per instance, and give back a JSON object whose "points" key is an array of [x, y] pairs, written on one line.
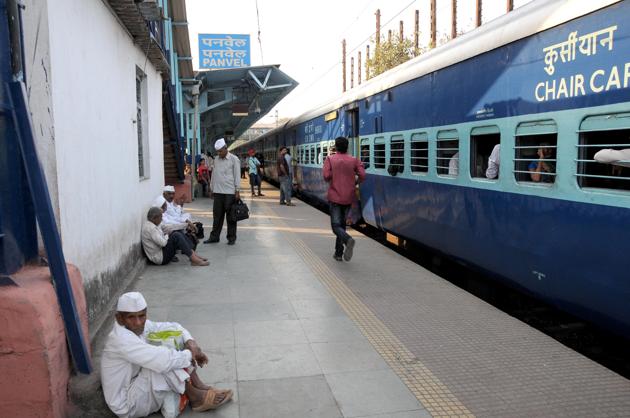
{"points": [[175, 214], [137, 376], [494, 161]]}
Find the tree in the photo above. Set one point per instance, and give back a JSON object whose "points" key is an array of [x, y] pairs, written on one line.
{"points": [[389, 54]]}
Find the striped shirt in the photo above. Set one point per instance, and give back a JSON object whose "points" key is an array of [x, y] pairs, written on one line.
{"points": [[226, 176]]}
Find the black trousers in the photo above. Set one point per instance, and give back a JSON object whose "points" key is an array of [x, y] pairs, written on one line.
{"points": [[220, 209], [176, 241]]}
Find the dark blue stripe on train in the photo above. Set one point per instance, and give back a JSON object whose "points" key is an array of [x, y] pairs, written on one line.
{"points": [[566, 253]]}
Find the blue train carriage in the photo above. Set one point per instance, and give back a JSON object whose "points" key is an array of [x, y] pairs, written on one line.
{"points": [[562, 92], [549, 84]]}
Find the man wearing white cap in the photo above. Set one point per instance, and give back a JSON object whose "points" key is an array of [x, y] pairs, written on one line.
{"points": [[176, 219], [139, 378], [225, 185], [159, 247], [173, 210]]}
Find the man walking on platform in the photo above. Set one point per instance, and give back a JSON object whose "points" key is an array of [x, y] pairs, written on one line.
{"points": [[225, 184], [254, 166], [342, 171], [284, 178]]}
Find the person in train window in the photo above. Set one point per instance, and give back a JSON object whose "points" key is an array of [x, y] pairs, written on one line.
{"points": [[453, 165], [365, 156], [341, 172], [613, 156], [538, 169], [494, 161]]}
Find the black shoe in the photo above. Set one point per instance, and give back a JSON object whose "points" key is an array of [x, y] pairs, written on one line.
{"points": [[337, 257], [174, 259], [232, 242], [260, 194], [347, 254], [211, 241]]}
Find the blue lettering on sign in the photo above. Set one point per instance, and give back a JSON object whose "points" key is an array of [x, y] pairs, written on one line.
{"points": [[223, 51]]}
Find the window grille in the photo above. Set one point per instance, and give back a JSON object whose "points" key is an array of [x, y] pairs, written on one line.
{"points": [[397, 153], [419, 153], [602, 152], [379, 153], [365, 153], [535, 152], [447, 160]]}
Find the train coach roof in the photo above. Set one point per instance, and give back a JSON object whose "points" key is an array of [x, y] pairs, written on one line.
{"points": [[530, 19]]}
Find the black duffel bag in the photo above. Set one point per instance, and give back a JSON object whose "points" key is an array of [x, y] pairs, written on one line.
{"points": [[239, 211]]}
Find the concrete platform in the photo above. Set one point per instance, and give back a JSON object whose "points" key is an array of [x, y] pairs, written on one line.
{"points": [[297, 334]]}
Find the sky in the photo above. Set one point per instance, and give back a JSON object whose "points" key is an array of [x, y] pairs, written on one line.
{"points": [[304, 37]]}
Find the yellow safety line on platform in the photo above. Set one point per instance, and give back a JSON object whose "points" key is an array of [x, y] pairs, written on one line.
{"points": [[425, 386]]}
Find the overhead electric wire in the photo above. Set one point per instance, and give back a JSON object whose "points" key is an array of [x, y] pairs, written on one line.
{"points": [[262, 60], [356, 47]]}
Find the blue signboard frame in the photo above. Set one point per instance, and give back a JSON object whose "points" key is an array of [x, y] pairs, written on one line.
{"points": [[223, 51]]}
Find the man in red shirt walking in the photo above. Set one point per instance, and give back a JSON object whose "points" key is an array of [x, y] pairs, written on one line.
{"points": [[342, 171]]}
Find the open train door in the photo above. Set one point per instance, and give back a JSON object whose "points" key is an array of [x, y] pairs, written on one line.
{"points": [[353, 127]]}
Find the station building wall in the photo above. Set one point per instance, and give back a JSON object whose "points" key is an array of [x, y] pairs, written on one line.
{"points": [[83, 101]]}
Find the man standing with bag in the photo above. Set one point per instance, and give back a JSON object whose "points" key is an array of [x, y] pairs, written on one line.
{"points": [[341, 172], [225, 184]]}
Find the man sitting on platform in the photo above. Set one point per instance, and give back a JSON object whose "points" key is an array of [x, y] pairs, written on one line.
{"points": [[139, 378], [175, 215], [159, 247]]}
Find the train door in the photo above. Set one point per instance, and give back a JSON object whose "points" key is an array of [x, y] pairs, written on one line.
{"points": [[353, 128]]}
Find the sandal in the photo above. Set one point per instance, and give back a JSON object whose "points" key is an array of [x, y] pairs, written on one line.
{"points": [[208, 402]]}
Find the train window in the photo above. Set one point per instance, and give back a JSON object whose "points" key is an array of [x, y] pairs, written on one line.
{"points": [[325, 151], [484, 152], [396, 154], [419, 153], [365, 153], [535, 152], [379, 153], [604, 152], [318, 151], [447, 163]]}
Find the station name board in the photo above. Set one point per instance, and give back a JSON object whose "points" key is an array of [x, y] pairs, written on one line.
{"points": [[223, 51]]}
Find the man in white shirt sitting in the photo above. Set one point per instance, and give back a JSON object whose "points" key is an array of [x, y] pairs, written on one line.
{"points": [[160, 248], [175, 215], [139, 378]]}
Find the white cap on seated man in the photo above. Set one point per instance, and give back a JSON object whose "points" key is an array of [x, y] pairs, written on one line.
{"points": [[139, 378]]}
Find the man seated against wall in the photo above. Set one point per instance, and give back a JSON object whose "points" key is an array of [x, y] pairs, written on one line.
{"points": [[160, 247], [140, 378]]}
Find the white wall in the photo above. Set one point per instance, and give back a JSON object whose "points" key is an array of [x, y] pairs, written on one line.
{"points": [[102, 201], [38, 81]]}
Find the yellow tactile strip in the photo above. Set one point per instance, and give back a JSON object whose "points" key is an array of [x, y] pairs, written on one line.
{"points": [[427, 388]]}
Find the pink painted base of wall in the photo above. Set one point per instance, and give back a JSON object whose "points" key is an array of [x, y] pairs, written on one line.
{"points": [[183, 189], [34, 360]]}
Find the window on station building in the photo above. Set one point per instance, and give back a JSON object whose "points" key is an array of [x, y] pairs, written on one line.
{"points": [[604, 152], [379, 153], [535, 152], [365, 153], [396, 154], [419, 151], [447, 160], [142, 124], [485, 143]]}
